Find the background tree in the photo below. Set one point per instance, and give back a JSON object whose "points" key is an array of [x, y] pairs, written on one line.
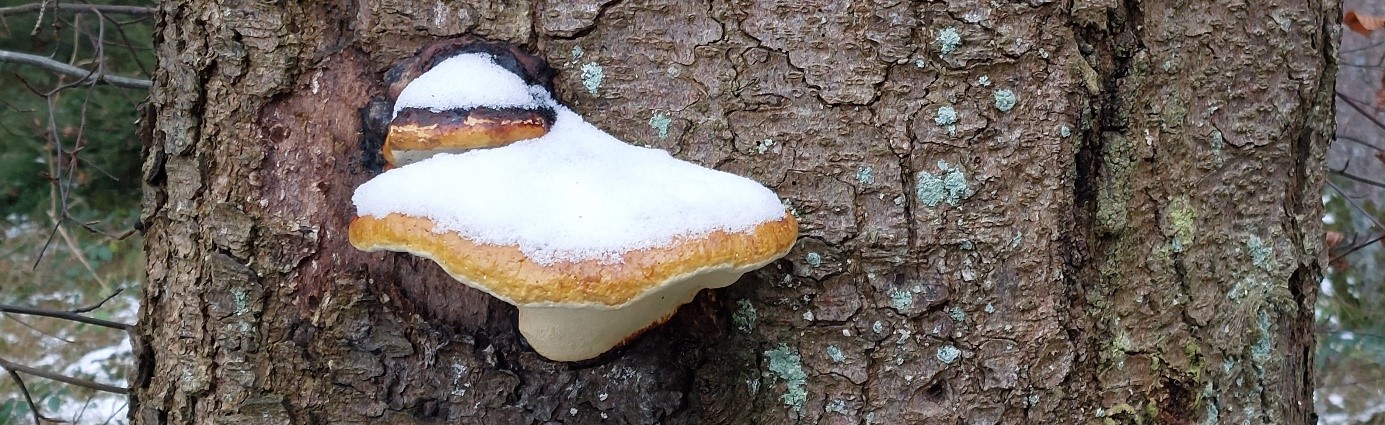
{"points": [[1041, 212]]}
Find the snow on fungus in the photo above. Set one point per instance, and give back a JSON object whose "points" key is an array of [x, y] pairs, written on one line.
{"points": [[593, 239], [466, 101]]}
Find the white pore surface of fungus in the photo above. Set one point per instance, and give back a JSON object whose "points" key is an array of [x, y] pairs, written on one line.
{"points": [[467, 81], [575, 194]]}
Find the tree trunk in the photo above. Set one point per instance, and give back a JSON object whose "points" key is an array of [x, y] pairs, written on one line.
{"points": [[1011, 213]]}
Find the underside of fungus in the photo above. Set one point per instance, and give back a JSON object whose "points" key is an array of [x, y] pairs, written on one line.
{"points": [[576, 310], [594, 240]]}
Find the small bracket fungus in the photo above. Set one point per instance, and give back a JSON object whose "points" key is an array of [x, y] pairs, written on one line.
{"points": [[466, 94], [594, 240]]}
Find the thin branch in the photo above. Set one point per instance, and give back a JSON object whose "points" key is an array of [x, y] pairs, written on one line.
{"points": [[81, 8], [119, 410], [1353, 203], [88, 77], [1358, 179], [1355, 248], [1358, 141], [16, 367], [1355, 105], [37, 330], [65, 315], [33, 407], [81, 310]]}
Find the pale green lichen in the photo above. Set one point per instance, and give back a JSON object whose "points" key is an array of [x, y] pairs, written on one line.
{"points": [[900, 299], [1209, 396], [660, 122], [1218, 141], [1264, 346], [1005, 100], [1065, 131], [592, 75], [983, 81], [835, 354], [814, 259], [865, 175], [837, 406], [949, 354], [990, 308], [1121, 342], [877, 327], [1118, 158], [957, 314], [788, 366], [241, 300], [950, 186], [1181, 222], [763, 146], [1259, 252], [577, 52], [744, 317], [947, 119], [949, 40], [947, 116]]}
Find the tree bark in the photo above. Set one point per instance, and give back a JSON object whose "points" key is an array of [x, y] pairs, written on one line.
{"points": [[1036, 212]]}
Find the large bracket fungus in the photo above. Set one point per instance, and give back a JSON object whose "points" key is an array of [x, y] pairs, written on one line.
{"points": [[594, 240]]}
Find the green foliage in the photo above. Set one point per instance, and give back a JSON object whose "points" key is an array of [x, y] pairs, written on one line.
{"points": [[95, 128], [69, 154]]}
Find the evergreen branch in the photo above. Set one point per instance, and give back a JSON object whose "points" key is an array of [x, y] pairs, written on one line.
{"points": [[89, 77], [81, 8]]}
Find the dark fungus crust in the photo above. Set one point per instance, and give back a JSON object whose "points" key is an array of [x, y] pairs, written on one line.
{"points": [[533, 69], [415, 129]]}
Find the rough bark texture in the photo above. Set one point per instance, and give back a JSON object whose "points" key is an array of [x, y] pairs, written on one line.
{"points": [[1136, 240]]}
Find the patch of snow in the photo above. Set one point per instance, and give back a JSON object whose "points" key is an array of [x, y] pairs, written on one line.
{"points": [[575, 194], [468, 81], [99, 364]]}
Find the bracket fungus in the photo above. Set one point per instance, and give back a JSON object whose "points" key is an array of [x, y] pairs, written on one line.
{"points": [[593, 239], [466, 94]]}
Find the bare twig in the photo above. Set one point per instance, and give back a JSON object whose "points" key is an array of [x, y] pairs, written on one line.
{"points": [[33, 408], [16, 367], [81, 8], [37, 330], [1355, 205], [1358, 179], [77, 252], [117, 411], [1358, 141], [1356, 247], [65, 315], [87, 77], [81, 310]]}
